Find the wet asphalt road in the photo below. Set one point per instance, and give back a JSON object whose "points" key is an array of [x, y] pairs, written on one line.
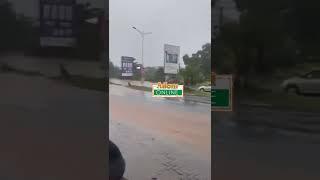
{"points": [[42, 121], [245, 152], [50, 130], [160, 138], [239, 151]]}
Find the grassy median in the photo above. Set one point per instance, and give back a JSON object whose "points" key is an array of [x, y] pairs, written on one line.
{"points": [[97, 84]]}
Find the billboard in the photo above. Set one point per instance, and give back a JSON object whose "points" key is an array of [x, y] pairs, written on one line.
{"points": [[171, 59], [57, 23], [127, 66]]}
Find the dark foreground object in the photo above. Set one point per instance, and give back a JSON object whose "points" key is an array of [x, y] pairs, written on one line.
{"points": [[116, 162]]}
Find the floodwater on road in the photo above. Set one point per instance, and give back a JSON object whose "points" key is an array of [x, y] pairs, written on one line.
{"points": [[160, 138]]}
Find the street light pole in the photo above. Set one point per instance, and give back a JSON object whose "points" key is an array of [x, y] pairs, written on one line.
{"points": [[142, 49], [142, 34]]}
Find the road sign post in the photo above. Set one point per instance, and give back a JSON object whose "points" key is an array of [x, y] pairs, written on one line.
{"points": [[221, 93]]}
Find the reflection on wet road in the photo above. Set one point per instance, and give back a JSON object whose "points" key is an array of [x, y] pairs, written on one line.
{"points": [[49, 130], [262, 153], [171, 139]]}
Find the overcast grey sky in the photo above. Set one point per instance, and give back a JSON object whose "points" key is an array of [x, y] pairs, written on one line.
{"points": [[186, 23]]}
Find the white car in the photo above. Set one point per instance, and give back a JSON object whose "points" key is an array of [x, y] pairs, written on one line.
{"points": [[206, 88], [305, 84]]}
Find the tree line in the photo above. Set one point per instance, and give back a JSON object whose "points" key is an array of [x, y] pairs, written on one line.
{"points": [[269, 35], [197, 69], [16, 29]]}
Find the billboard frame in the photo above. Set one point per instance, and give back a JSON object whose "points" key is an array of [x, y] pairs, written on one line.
{"points": [[173, 50]]}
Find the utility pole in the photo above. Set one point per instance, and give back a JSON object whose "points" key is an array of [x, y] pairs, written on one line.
{"points": [[142, 34]]}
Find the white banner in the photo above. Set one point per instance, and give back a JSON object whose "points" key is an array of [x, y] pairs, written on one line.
{"points": [[127, 74]]}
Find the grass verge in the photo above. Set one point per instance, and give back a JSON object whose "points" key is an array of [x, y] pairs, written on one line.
{"points": [[197, 93], [5, 68], [141, 88], [97, 84]]}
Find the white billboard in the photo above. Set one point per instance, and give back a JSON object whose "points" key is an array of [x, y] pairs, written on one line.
{"points": [[171, 59]]}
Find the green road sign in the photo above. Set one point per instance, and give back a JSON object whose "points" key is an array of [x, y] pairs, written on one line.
{"points": [[221, 93]]}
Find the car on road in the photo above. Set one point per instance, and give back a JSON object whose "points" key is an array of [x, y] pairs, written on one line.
{"points": [[205, 88], [308, 83]]}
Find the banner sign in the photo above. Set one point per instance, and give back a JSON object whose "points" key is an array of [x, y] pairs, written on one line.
{"points": [[58, 23], [127, 66]]}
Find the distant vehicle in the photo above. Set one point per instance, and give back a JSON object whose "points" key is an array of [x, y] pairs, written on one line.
{"points": [[205, 88], [308, 83]]}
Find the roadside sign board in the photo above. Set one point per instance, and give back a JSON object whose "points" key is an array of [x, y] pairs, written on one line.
{"points": [[171, 59], [221, 93], [58, 23], [127, 66]]}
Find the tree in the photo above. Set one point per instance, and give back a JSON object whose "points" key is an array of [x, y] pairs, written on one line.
{"points": [[149, 73], [154, 74], [198, 66], [114, 71], [258, 43], [159, 76], [205, 58], [301, 20], [231, 53], [16, 30], [263, 25], [192, 73], [8, 21]]}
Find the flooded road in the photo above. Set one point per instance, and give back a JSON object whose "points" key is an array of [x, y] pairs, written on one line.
{"points": [[258, 152], [160, 138], [51, 130]]}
